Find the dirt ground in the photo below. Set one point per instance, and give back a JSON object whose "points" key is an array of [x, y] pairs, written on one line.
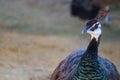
{"points": [[34, 57]]}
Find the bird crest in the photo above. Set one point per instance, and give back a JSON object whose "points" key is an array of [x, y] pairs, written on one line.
{"points": [[103, 13]]}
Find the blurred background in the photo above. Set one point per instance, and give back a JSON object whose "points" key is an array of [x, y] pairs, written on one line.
{"points": [[35, 35]]}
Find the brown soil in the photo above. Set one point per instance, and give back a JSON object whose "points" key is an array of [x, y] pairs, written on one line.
{"points": [[34, 57]]}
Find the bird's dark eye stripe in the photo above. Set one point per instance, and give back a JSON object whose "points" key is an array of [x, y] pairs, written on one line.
{"points": [[92, 29], [96, 26]]}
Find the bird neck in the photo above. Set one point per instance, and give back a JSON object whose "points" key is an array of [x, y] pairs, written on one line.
{"points": [[89, 66], [93, 46], [92, 50]]}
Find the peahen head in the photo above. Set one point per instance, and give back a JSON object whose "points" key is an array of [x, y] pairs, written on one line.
{"points": [[93, 27]]}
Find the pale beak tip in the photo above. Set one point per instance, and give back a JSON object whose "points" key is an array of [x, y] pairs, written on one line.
{"points": [[83, 32]]}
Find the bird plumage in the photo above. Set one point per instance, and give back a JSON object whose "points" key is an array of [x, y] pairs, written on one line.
{"points": [[86, 64], [68, 66]]}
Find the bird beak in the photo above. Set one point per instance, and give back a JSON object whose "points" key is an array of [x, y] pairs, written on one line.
{"points": [[84, 30]]}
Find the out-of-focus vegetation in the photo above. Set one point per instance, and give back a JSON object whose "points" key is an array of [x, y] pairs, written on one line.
{"points": [[35, 35]]}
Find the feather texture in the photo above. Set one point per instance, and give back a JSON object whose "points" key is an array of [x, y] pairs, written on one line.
{"points": [[86, 64], [68, 66]]}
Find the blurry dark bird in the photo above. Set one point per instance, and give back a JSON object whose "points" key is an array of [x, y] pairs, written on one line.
{"points": [[86, 64], [89, 9]]}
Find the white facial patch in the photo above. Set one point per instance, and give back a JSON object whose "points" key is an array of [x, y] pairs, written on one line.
{"points": [[94, 25], [97, 32]]}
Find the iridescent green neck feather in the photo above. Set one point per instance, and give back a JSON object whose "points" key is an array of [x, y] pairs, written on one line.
{"points": [[89, 67]]}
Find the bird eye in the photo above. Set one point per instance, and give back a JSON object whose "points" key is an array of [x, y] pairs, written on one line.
{"points": [[96, 26]]}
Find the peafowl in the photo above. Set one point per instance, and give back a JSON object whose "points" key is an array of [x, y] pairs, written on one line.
{"points": [[89, 9], [86, 64]]}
